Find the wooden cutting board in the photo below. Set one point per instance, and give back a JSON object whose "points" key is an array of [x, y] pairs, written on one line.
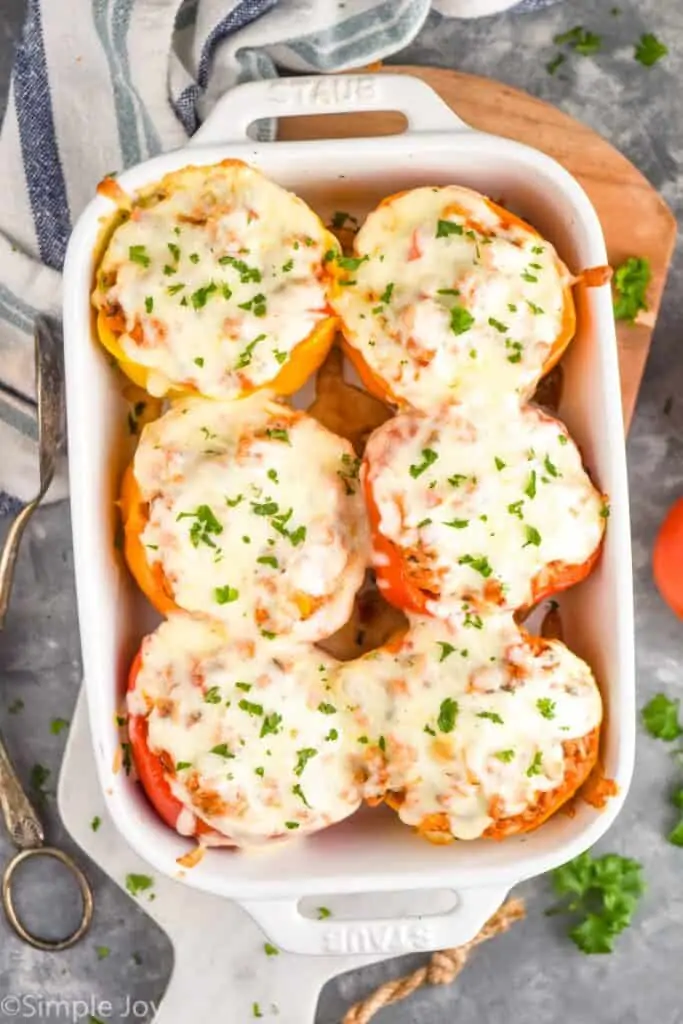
{"points": [[635, 219]]}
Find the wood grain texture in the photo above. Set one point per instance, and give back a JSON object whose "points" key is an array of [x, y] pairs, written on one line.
{"points": [[635, 219]]}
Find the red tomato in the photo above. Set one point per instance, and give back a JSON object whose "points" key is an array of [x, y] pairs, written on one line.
{"points": [[667, 558]]}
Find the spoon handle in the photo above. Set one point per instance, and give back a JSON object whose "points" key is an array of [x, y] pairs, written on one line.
{"points": [[8, 557], [23, 824]]}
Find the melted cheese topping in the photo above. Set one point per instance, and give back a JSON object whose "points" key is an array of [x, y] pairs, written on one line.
{"points": [[447, 300], [472, 719], [256, 733], [218, 274], [480, 509], [255, 515]]}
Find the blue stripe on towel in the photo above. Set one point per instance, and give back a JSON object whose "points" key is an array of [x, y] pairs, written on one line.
{"points": [[16, 311], [185, 106], [126, 120], [40, 153], [121, 22]]}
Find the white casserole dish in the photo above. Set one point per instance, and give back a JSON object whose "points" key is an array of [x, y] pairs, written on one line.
{"points": [[371, 851]]}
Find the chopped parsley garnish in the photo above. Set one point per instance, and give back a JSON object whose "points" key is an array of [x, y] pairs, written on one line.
{"points": [[457, 524], [245, 687], [194, 257], [500, 327], [149, 304], [221, 750], [303, 757], [505, 755], [386, 294], [363, 739], [225, 595], [649, 49], [446, 649], [499, 463], [256, 1010], [327, 709], [444, 228], [349, 472], [546, 707], [260, 772], [200, 297], [182, 765], [95, 823], [57, 725], [429, 457], [492, 716], [473, 620], [264, 508], [332, 735], [479, 563], [323, 912], [351, 262], [278, 434], [269, 560], [457, 479], [536, 310], [532, 536], [199, 361], [212, 695], [233, 502], [526, 276], [581, 41], [204, 526], [271, 724], [279, 356], [136, 884], [270, 950], [536, 765], [250, 708], [550, 468], [552, 65], [424, 522], [631, 280], [256, 305], [448, 712], [291, 824], [173, 289], [530, 489], [512, 307], [246, 354], [428, 729], [298, 791], [138, 254], [247, 274], [461, 319], [447, 291], [382, 744], [267, 634]]}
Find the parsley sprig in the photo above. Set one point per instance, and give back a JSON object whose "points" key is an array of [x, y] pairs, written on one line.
{"points": [[631, 280], [603, 892]]}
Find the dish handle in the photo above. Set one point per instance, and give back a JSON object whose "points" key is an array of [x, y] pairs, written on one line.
{"points": [[237, 109], [288, 929]]}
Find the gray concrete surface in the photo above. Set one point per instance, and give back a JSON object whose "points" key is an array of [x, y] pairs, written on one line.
{"points": [[534, 974]]}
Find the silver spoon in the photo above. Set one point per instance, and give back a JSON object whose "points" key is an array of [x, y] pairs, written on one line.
{"points": [[23, 824], [50, 394]]}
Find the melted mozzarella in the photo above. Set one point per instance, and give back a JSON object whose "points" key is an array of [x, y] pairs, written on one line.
{"points": [[482, 507], [256, 732], [219, 275], [449, 301], [255, 515], [472, 719]]}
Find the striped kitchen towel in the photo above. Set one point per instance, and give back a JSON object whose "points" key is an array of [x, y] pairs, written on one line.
{"points": [[99, 85]]}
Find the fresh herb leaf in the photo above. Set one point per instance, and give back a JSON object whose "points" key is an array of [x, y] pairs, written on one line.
{"points": [[461, 319], [226, 594], [204, 526], [271, 724], [532, 536], [327, 709], [269, 560], [448, 712], [213, 695], [429, 457], [95, 823], [499, 463], [200, 297], [444, 228], [631, 281], [250, 707], [323, 912], [530, 489], [386, 294], [278, 434], [303, 757], [446, 649], [458, 524], [222, 750], [505, 755], [552, 65], [57, 725], [536, 765], [270, 950], [291, 824], [135, 884], [676, 834], [660, 718], [580, 40], [138, 254], [649, 49], [492, 716], [500, 327], [546, 707]]}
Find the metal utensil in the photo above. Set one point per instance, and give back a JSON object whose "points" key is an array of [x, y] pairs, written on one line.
{"points": [[21, 820], [50, 395]]}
